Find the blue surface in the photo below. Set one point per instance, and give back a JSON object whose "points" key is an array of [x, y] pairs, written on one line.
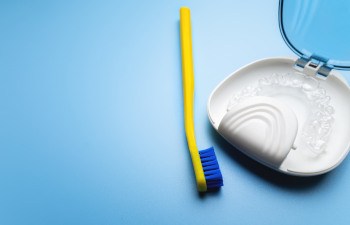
{"points": [[91, 128]]}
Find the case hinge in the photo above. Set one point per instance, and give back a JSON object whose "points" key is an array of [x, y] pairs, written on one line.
{"points": [[313, 67]]}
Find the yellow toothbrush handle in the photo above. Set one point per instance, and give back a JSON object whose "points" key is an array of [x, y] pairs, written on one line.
{"points": [[188, 92]]}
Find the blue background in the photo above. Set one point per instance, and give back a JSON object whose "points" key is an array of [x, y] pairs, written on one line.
{"points": [[91, 128]]}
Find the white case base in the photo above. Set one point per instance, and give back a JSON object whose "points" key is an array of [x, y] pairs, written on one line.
{"points": [[290, 157]]}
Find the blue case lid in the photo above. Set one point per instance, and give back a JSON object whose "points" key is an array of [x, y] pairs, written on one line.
{"points": [[317, 29]]}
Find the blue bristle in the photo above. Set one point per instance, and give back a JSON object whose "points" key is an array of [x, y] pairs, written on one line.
{"points": [[208, 163], [211, 168], [207, 158]]}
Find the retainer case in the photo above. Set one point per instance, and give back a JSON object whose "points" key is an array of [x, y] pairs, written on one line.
{"points": [[293, 113]]}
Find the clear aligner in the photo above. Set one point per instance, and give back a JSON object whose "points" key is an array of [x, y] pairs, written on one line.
{"points": [[318, 126]]}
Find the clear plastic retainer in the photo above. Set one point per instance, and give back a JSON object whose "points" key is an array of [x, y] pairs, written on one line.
{"points": [[318, 126]]}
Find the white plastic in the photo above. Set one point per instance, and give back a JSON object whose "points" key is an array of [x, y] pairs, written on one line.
{"points": [[245, 125], [262, 127]]}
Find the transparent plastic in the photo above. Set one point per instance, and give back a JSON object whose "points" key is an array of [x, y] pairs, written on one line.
{"points": [[317, 29], [319, 123]]}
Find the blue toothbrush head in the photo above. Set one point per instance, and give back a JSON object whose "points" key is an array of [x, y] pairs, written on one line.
{"points": [[211, 168]]}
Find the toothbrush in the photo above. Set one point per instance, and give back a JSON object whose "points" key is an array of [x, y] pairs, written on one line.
{"points": [[205, 164]]}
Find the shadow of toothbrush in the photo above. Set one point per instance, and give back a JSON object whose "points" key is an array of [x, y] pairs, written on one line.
{"points": [[281, 180]]}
